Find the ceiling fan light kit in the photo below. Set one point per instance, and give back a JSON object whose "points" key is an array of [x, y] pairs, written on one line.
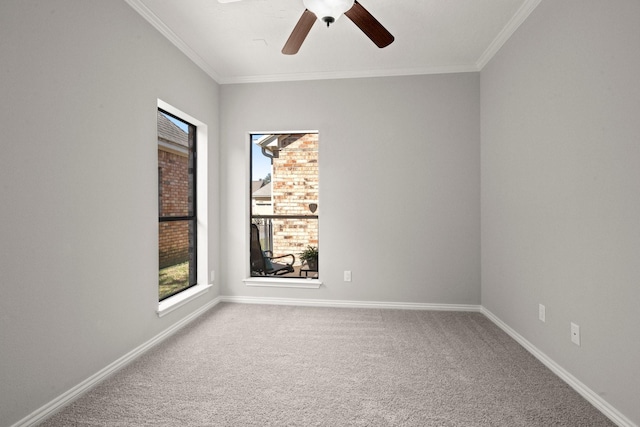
{"points": [[328, 11]]}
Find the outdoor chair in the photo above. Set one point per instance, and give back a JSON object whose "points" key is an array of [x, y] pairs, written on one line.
{"points": [[262, 261]]}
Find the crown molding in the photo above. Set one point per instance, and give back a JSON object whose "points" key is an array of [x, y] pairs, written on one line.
{"points": [[157, 23], [514, 23], [333, 75]]}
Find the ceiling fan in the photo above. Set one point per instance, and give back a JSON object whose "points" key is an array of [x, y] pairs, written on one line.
{"points": [[328, 11]]}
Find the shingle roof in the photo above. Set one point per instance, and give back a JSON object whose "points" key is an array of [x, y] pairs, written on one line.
{"points": [[256, 185], [169, 132], [264, 191]]}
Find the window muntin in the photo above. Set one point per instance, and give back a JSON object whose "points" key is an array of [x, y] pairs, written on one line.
{"points": [[284, 200], [176, 204]]}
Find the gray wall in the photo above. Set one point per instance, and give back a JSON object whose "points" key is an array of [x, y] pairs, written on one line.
{"points": [[400, 190], [399, 184], [561, 189], [78, 189]]}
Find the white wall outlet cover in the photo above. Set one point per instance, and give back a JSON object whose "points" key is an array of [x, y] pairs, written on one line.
{"points": [[542, 313], [575, 333]]}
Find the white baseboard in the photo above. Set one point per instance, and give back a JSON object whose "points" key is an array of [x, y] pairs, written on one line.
{"points": [[50, 408], [592, 397], [350, 304]]}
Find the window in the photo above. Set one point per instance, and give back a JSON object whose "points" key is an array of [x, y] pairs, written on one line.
{"points": [[284, 205], [176, 204]]}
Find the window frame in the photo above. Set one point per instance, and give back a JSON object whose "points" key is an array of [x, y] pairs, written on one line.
{"points": [[190, 219], [203, 283], [271, 281]]}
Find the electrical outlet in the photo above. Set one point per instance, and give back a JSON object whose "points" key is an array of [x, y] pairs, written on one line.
{"points": [[542, 313], [347, 275], [575, 334], [213, 276]]}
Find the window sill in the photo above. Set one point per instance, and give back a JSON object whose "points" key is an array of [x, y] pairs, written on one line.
{"points": [[273, 282], [168, 305]]}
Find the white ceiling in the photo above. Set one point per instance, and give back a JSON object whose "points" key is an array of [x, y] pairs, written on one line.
{"points": [[240, 42]]}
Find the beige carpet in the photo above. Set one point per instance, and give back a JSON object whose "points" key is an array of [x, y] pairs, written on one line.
{"points": [[252, 365]]}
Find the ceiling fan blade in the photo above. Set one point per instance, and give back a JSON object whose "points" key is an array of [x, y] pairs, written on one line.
{"points": [[299, 33], [369, 25]]}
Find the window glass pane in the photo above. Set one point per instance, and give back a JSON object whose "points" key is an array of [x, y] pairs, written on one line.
{"points": [[176, 205], [177, 257], [284, 204], [175, 166]]}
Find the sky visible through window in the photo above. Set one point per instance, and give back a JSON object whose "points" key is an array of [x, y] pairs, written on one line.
{"points": [[261, 165], [182, 125]]}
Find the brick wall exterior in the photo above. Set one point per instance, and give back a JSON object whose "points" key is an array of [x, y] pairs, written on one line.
{"points": [[173, 186], [294, 186], [174, 243]]}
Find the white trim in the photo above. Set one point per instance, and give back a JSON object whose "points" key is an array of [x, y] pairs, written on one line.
{"points": [[270, 281], [273, 282], [514, 23], [172, 303], [592, 397], [280, 132], [64, 399], [350, 304], [361, 74], [202, 215]]}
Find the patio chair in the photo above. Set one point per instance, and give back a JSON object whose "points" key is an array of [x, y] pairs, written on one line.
{"points": [[262, 261]]}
